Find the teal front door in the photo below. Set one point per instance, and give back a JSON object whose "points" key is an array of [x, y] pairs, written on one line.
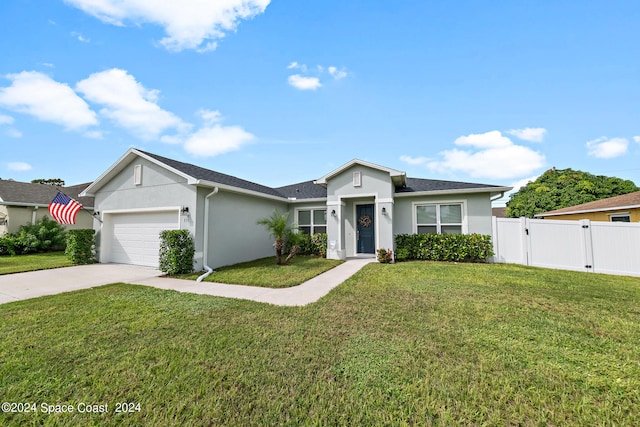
{"points": [[365, 234]]}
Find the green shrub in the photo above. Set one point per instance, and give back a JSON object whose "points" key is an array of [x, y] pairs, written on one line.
{"points": [[315, 244], [176, 252], [444, 247], [44, 236], [81, 246]]}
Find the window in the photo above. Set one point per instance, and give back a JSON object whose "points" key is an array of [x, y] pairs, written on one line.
{"points": [[437, 218], [312, 221], [620, 217]]}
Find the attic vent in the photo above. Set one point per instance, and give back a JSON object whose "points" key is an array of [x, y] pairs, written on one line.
{"points": [[357, 179], [137, 175]]}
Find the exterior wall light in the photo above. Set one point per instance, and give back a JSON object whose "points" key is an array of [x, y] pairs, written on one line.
{"points": [[384, 211], [333, 212]]}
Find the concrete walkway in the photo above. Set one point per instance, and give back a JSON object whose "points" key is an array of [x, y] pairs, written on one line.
{"points": [[20, 286], [306, 293]]}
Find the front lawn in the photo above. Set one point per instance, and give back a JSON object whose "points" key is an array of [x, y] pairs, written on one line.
{"points": [[21, 263], [265, 273], [413, 343]]}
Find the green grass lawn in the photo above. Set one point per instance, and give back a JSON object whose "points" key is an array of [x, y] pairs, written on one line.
{"points": [[20, 263], [405, 344], [265, 273]]}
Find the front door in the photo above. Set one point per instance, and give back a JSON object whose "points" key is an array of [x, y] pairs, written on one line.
{"points": [[365, 234]]}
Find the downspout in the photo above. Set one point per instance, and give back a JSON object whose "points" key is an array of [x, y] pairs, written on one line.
{"points": [[497, 197], [205, 249]]}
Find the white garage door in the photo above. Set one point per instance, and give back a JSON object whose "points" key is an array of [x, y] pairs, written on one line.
{"points": [[136, 236]]}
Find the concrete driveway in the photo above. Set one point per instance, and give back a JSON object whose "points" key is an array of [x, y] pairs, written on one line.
{"points": [[19, 286]]}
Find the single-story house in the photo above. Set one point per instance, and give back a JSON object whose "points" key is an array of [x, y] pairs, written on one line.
{"points": [[24, 203], [624, 208], [360, 205]]}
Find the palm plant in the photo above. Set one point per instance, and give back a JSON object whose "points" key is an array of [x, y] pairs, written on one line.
{"points": [[278, 228]]}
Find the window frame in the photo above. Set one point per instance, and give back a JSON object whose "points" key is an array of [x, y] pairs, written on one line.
{"points": [[620, 215], [439, 224], [312, 225]]}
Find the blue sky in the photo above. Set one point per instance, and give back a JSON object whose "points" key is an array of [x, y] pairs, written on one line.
{"points": [[285, 91]]}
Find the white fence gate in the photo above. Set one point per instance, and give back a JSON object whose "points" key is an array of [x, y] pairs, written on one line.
{"points": [[599, 247]]}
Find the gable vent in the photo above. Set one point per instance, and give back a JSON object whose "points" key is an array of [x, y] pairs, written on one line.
{"points": [[357, 179], [137, 175]]}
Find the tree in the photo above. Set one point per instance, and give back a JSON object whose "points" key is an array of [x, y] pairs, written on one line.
{"points": [[279, 228], [56, 182], [561, 188]]}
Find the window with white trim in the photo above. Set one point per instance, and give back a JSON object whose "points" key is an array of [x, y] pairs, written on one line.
{"points": [[625, 217], [312, 221], [439, 218]]}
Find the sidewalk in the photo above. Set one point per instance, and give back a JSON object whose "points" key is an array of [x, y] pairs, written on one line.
{"points": [[306, 293]]}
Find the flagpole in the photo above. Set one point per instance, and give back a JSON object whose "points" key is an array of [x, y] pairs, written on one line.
{"points": [[93, 214]]}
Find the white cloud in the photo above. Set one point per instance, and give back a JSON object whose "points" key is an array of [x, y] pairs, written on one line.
{"points": [[19, 166], [636, 139], [337, 74], [213, 140], [492, 155], [129, 104], [414, 161], [304, 83], [6, 120], [210, 116], [36, 94], [80, 37], [188, 24], [604, 148], [13, 133], [529, 134], [492, 139]]}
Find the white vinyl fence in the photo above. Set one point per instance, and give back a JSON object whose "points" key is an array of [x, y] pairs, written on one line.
{"points": [[599, 247]]}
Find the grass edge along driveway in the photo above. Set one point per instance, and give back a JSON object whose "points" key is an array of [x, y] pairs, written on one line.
{"points": [[32, 262], [412, 343]]}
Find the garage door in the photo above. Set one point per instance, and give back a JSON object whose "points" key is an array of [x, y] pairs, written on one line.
{"points": [[136, 236]]}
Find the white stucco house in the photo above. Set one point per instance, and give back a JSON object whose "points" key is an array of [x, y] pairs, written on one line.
{"points": [[360, 205]]}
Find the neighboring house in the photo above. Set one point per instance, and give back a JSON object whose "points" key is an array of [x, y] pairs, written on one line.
{"points": [[24, 203], [361, 206], [499, 212], [624, 208]]}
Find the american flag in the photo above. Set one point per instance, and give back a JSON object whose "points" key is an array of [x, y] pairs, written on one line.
{"points": [[64, 209]]}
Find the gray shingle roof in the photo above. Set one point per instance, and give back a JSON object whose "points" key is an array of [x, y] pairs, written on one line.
{"points": [[40, 194], [306, 189], [420, 184], [303, 190], [213, 176]]}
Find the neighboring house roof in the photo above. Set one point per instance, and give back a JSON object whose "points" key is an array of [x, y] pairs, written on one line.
{"points": [[306, 190], [29, 194], [499, 212], [625, 201]]}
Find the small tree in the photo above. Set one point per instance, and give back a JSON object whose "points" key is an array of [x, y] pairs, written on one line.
{"points": [[279, 228]]}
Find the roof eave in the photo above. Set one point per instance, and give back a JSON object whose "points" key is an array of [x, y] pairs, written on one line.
{"points": [[232, 189], [493, 191], [392, 172]]}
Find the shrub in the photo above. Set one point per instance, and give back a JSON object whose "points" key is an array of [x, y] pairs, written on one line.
{"points": [[315, 244], [444, 247], [43, 236], [176, 252], [81, 246], [385, 256]]}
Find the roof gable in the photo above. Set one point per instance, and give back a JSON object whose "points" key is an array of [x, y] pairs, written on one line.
{"points": [[398, 177]]}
